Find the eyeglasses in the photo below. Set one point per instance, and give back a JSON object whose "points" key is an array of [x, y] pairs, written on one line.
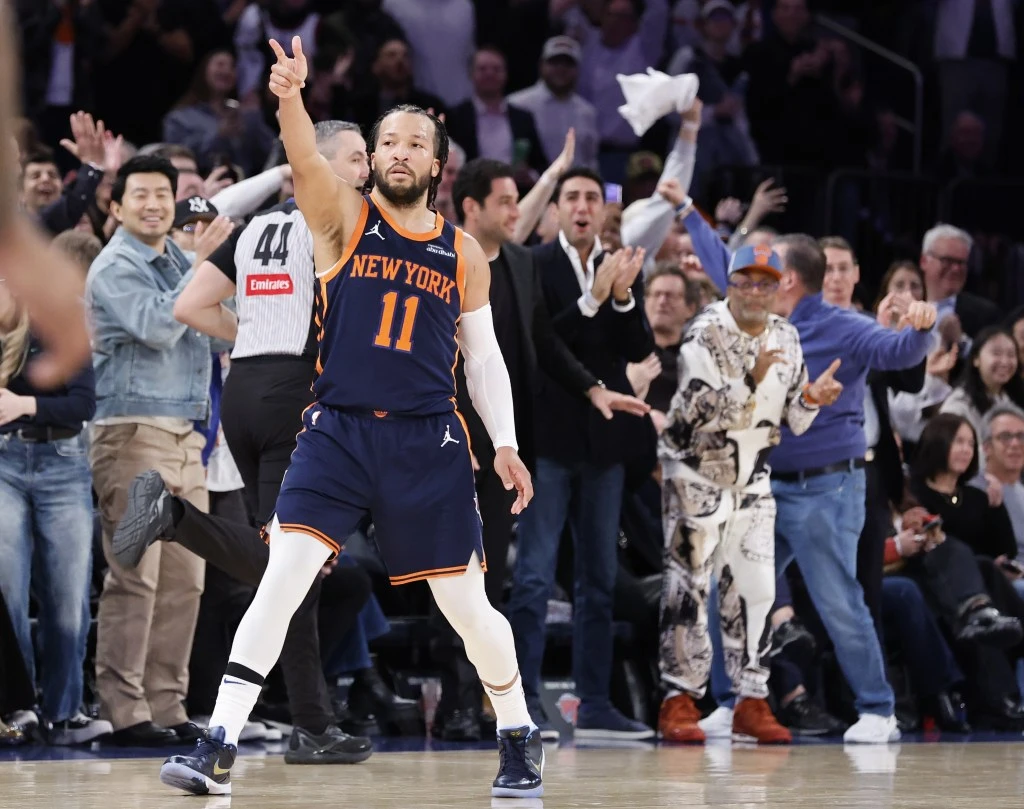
{"points": [[949, 261], [762, 287], [1007, 438]]}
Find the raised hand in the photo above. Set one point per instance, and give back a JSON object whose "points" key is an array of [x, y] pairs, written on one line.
{"points": [[767, 199], [632, 263], [211, 236], [605, 276], [89, 138], [826, 389], [672, 191], [563, 162], [288, 76], [940, 362], [766, 358]]}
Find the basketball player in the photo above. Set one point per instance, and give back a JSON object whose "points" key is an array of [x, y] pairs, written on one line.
{"points": [[402, 291], [53, 298]]}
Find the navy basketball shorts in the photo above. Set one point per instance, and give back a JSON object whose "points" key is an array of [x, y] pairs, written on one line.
{"points": [[412, 475]]}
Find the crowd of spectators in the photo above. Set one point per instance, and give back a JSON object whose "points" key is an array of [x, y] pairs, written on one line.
{"points": [[531, 84]]}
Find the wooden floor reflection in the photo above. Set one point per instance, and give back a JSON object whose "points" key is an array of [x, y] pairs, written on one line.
{"points": [[925, 776]]}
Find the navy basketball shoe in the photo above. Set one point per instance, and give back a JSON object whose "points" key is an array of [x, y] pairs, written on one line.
{"points": [[206, 771], [522, 764]]}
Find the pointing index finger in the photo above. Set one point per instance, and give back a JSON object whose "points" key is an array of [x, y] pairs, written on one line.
{"points": [[830, 371], [275, 46]]}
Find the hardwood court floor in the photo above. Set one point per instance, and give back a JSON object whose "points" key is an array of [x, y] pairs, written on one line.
{"points": [[911, 776]]}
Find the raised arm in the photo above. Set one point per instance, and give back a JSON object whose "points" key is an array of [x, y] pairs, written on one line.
{"points": [[331, 206]]}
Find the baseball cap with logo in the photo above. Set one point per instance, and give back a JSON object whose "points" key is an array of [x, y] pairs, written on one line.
{"points": [[712, 6], [561, 46], [761, 257], [194, 209]]}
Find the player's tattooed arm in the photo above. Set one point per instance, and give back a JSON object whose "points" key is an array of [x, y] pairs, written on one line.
{"points": [[320, 194]]}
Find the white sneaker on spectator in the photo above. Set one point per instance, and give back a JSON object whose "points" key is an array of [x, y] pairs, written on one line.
{"points": [[79, 729], [253, 731], [718, 723], [26, 721], [873, 729]]}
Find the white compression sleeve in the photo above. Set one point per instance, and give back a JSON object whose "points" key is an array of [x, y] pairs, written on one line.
{"points": [[487, 377]]}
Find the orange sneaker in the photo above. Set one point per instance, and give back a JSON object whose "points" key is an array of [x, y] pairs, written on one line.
{"points": [[677, 721], [753, 721]]}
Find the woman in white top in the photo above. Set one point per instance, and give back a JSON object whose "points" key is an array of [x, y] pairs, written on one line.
{"points": [[989, 378], [909, 412]]}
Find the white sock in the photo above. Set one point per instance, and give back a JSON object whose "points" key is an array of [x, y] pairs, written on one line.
{"points": [[295, 561], [235, 701], [510, 706]]}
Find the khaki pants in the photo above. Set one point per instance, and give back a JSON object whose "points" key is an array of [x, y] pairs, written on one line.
{"points": [[147, 615]]}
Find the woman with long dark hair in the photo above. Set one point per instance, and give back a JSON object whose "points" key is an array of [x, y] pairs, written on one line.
{"points": [[210, 122], [990, 377]]}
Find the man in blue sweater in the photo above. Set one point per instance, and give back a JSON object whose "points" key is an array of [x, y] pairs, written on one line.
{"points": [[818, 477]]}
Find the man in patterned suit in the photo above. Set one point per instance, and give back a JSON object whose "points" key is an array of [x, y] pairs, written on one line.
{"points": [[742, 375]]}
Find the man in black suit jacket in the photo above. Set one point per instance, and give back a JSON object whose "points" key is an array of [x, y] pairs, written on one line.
{"points": [[945, 251], [485, 125], [486, 197], [595, 304]]}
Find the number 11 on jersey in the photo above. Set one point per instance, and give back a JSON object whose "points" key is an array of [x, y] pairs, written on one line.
{"points": [[387, 320]]}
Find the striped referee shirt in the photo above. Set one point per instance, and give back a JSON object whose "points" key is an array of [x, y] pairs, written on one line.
{"points": [[270, 261]]}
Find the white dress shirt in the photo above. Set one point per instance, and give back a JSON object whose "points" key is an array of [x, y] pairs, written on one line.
{"points": [[493, 131]]}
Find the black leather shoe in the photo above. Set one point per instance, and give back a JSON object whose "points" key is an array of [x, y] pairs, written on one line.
{"points": [[804, 717], [187, 733], [949, 712], [144, 734], [369, 697], [461, 725], [989, 626], [1007, 716]]}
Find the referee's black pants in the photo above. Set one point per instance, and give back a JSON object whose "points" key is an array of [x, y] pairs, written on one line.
{"points": [[261, 412], [239, 551]]}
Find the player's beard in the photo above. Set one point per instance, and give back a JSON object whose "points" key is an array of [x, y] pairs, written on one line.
{"points": [[403, 197]]}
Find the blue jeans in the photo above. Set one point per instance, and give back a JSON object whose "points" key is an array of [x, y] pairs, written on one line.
{"points": [[721, 683], [46, 507], [819, 523], [595, 494]]}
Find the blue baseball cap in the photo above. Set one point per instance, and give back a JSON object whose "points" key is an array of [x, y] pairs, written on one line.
{"points": [[760, 257]]}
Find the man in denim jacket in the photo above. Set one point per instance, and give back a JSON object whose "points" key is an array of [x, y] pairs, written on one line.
{"points": [[152, 385]]}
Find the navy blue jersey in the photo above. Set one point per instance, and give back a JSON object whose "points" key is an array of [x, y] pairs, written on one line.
{"points": [[388, 314]]}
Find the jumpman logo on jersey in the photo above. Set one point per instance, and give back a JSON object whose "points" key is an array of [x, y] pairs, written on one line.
{"points": [[375, 231], [448, 436]]}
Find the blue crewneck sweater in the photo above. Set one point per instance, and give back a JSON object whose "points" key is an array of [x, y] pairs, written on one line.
{"points": [[828, 333]]}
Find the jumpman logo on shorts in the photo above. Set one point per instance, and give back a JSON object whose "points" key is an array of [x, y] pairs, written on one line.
{"points": [[448, 436], [375, 231]]}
